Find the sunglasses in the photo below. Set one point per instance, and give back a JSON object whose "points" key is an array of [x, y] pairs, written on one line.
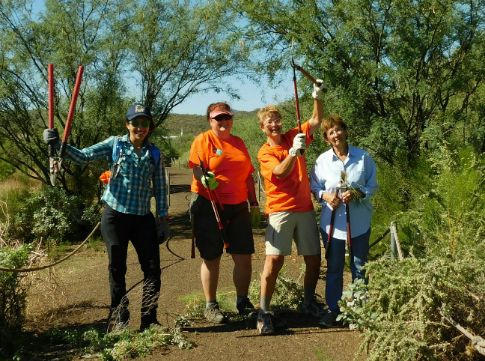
{"points": [[222, 117], [140, 123]]}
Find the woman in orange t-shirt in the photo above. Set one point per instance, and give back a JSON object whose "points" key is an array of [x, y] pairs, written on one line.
{"points": [[222, 186]]}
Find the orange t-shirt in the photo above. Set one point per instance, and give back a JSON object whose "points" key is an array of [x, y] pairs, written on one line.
{"points": [[229, 160], [291, 193]]}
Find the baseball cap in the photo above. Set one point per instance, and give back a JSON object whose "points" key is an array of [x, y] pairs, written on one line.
{"points": [[138, 110]]}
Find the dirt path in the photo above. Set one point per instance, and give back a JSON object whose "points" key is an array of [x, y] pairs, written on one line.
{"points": [[75, 295]]}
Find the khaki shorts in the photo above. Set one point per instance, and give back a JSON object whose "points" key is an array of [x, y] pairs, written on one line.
{"points": [[283, 227]]}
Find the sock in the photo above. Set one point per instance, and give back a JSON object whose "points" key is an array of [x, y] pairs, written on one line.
{"points": [[264, 303], [210, 304]]}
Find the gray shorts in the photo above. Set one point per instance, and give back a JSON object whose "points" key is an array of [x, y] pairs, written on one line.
{"points": [[283, 227]]}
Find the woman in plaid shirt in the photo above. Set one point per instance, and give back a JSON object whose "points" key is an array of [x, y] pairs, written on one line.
{"points": [[127, 215]]}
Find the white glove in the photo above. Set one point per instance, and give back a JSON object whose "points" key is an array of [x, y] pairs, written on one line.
{"points": [[299, 144], [319, 90]]}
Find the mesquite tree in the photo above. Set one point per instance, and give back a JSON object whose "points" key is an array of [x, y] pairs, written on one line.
{"points": [[157, 52], [403, 73]]}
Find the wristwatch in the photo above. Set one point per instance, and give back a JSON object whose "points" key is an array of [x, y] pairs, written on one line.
{"points": [[292, 152]]}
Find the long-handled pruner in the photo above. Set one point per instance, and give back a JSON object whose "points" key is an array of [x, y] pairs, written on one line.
{"points": [[50, 147], [330, 234], [214, 206], [57, 161], [297, 102], [306, 74]]}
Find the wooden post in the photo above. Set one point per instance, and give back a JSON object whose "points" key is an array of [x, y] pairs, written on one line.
{"points": [[167, 185], [395, 244]]}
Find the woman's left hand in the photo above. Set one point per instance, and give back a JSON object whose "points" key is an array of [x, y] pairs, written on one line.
{"points": [[346, 197]]}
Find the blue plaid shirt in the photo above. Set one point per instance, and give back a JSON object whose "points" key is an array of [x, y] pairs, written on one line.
{"points": [[130, 190]]}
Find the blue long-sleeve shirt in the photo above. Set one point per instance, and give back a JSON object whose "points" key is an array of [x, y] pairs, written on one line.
{"points": [[361, 174], [130, 190]]}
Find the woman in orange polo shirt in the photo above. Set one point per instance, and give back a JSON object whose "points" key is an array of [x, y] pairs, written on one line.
{"points": [[222, 175]]}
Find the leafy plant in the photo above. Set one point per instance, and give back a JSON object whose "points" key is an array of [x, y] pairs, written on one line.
{"points": [[50, 214], [123, 344], [401, 310], [12, 298], [288, 293]]}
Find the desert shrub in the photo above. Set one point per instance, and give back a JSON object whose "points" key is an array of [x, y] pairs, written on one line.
{"points": [[288, 293], [12, 298], [405, 302], [123, 344], [49, 214], [403, 307]]}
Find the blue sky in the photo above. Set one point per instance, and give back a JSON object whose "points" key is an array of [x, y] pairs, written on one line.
{"points": [[252, 96]]}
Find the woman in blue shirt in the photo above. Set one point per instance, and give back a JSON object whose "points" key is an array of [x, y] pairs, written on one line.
{"points": [[136, 165], [343, 180]]}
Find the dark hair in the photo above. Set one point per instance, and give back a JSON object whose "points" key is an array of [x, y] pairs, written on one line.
{"points": [[331, 121], [213, 106]]}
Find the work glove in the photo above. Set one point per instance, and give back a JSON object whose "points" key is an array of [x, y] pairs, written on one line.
{"points": [[163, 230], [51, 136], [255, 214], [319, 90], [208, 180], [299, 144]]}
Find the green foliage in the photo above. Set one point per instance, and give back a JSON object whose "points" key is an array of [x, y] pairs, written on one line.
{"points": [[447, 214], [122, 345], [393, 69], [288, 293], [49, 214], [13, 294], [402, 309]]}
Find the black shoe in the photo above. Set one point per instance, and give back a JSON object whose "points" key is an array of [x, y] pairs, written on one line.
{"points": [[329, 320], [245, 307], [264, 324]]}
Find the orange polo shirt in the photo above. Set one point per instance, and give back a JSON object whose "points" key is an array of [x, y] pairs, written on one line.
{"points": [[228, 159], [291, 193]]}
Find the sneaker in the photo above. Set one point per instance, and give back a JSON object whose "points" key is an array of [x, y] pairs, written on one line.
{"points": [[264, 324], [213, 314], [328, 320], [313, 309], [245, 307]]}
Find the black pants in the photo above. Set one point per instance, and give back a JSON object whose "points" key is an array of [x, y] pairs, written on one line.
{"points": [[117, 230]]}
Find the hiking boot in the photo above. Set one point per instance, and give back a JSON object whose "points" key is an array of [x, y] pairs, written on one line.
{"points": [[213, 314], [264, 325], [313, 309], [245, 307], [329, 320]]}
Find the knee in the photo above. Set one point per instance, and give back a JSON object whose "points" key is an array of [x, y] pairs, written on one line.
{"points": [[117, 269], [151, 269]]}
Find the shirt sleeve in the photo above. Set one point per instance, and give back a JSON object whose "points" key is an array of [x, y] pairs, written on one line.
{"points": [[197, 152], [101, 150], [317, 183], [267, 163]]}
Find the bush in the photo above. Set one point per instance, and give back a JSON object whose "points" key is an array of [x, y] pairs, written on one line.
{"points": [[402, 309], [12, 298], [51, 215]]}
